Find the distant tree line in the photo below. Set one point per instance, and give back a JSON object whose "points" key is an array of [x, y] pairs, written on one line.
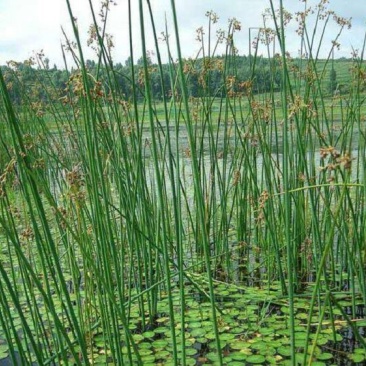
{"points": [[210, 76]]}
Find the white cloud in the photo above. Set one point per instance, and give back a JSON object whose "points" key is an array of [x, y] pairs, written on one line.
{"points": [[27, 26]]}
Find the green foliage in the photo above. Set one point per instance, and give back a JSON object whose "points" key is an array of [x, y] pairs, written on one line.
{"points": [[204, 77], [218, 200]]}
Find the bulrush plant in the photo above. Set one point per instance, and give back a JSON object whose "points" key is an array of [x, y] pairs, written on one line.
{"points": [[200, 211]]}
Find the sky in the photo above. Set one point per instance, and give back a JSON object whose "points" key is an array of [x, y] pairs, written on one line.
{"points": [[28, 26]]}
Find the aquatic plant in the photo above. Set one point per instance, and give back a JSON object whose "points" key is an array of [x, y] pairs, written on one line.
{"points": [[227, 227]]}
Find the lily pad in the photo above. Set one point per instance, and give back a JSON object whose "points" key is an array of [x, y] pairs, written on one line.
{"points": [[212, 356], [162, 355], [324, 356], [227, 336], [193, 325], [357, 357], [284, 351], [198, 332], [145, 352], [138, 337], [191, 351], [149, 334], [239, 356], [160, 343], [239, 345], [256, 359], [145, 345], [360, 350], [147, 358]]}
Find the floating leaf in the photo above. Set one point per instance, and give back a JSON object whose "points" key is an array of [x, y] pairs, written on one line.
{"points": [[147, 358], [240, 356], [193, 325], [191, 351], [338, 338], [302, 316], [145, 352], [302, 335], [239, 345], [359, 350], [357, 357], [137, 337], [198, 332], [162, 355], [284, 351], [265, 331], [238, 330], [322, 341], [162, 330], [271, 359], [160, 343], [189, 362], [190, 341], [145, 345], [273, 343], [256, 359], [162, 320], [227, 336], [324, 356], [149, 334], [261, 347], [210, 335], [212, 356]]}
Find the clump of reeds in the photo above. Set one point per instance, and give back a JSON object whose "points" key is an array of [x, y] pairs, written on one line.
{"points": [[121, 201]]}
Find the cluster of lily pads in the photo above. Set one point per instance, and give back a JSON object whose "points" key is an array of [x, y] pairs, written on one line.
{"points": [[253, 327]]}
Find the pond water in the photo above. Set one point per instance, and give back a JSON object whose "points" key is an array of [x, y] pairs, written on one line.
{"points": [[253, 318]]}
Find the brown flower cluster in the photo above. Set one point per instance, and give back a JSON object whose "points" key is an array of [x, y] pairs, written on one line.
{"points": [[336, 160], [75, 181], [261, 111], [4, 177], [236, 177], [263, 198]]}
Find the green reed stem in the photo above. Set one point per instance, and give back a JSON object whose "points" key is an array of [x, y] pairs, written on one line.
{"points": [[196, 182]]}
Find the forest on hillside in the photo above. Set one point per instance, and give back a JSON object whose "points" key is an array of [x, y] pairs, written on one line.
{"points": [[36, 81]]}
